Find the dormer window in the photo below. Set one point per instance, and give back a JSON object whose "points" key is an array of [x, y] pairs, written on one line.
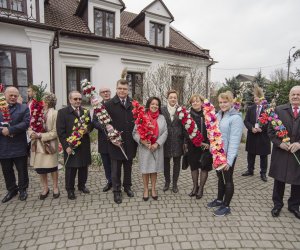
{"points": [[104, 23], [14, 5], [157, 34]]}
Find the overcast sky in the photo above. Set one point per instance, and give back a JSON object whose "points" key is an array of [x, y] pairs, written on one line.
{"points": [[240, 34]]}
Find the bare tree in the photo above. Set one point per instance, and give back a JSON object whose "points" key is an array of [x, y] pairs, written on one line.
{"points": [[279, 75]]}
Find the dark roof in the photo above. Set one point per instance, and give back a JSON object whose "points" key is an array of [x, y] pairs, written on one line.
{"points": [[243, 78], [61, 14]]}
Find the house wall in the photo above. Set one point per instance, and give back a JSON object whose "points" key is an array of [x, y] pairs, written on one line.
{"points": [[106, 62]]}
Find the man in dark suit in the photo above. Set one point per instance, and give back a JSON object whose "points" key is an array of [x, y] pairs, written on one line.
{"points": [[258, 142], [120, 110], [285, 168], [81, 159], [103, 141], [13, 146]]}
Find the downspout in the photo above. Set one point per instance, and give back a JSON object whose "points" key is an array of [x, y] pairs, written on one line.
{"points": [[55, 45], [206, 83]]}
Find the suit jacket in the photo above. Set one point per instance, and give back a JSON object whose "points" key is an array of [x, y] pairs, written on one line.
{"points": [[258, 143], [64, 126], [122, 120], [284, 166], [173, 146], [16, 144], [102, 138]]}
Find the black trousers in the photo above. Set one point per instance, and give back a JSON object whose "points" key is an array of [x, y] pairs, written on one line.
{"points": [[226, 190], [116, 170], [176, 169], [9, 174], [107, 166], [278, 192], [70, 175], [263, 163]]}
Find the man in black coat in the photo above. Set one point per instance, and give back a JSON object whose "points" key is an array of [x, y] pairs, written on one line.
{"points": [[82, 157], [13, 146], [258, 142], [285, 168], [120, 110], [105, 93]]}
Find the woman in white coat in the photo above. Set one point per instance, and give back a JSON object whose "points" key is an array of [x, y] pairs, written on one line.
{"points": [[151, 156], [44, 153]]}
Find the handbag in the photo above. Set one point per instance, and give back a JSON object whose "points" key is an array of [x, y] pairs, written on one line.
{"points": [[49, 147], [206, 159], [185, 162]]}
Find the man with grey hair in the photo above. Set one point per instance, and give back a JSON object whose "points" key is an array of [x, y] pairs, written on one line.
{"points": [[105, 93], [81, 159], [285, 168], [13, 146]]}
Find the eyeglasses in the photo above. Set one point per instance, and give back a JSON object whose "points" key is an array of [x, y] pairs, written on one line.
{"points": [[77, 99], [14, 96], [106, 91], [122, 88]]}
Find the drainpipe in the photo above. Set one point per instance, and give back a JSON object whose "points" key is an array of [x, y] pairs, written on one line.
{"points": [[55, 45], [212, 62]]}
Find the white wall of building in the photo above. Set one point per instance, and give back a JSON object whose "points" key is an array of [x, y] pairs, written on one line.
{"points": [[107, 61]]}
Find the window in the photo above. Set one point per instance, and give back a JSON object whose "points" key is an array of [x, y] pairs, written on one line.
{"points": [[157, 34], [14, 5], [177, 84], [74, 77], [15, 68], [104, 24], [135, 82]]}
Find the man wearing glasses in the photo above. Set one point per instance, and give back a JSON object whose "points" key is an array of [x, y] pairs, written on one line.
{"points": [[13, 146], [120, 110], [81, 158], [105, 93]]}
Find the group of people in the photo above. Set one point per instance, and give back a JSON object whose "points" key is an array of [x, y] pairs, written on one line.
{"points": [[171, 143]]}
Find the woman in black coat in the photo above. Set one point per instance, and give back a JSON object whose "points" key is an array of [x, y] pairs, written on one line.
{"points": [[173, 147], [194, 153]]}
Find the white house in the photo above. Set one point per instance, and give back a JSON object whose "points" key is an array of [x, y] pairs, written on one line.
{"points": [[60, 42]]}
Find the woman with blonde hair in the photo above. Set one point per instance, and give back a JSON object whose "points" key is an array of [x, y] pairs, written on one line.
{"points": [[44, 153], [231, 126], [195, 155]]}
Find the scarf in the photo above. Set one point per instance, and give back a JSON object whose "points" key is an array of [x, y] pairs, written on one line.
{"points": [[171, 111], [153, 119]]}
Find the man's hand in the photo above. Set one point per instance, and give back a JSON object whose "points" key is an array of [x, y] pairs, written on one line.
{"points": [[284, 146], [154, 147], [34, 136], [69, 151], [259, 130], [5, 131], [294, 147], [254, 130], [117, 143]]}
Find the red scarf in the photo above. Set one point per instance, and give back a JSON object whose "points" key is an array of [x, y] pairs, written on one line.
{"points": [[153, 119]]}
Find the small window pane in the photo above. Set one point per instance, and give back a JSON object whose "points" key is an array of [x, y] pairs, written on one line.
{"points": [[72, 85], [152, 33], [22, 77], [160, 35], [109, 25], [98, 23], [21, 60], [3, 4], [23, 93], [5, 58], [6, 76], [17, 5]]}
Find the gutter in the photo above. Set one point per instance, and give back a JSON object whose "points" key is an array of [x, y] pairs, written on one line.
{"points": [[206, 82], [55, 45]]}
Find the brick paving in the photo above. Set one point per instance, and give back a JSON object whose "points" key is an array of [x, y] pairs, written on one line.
{"points": [[175, 221]]}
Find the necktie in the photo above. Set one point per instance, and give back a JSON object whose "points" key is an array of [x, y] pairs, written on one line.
{"points": [[295, 111], [78, 111], [123, 102]]}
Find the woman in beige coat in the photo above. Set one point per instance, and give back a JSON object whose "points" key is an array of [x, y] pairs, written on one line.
{"points": [[44, 148]]}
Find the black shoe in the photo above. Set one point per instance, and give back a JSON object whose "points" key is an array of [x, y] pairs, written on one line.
{"points": [[23, 195], [10, 195], [84, 190], [199, 193], [155, 198], [264, 178], [55, 196], [44, 196], [194, 192], [71, 195], [175, 189], [247, 173], [295, 212], [129, 192], [166, 187], [118, 197], [275, 212], [107, 187], [146, 198]]}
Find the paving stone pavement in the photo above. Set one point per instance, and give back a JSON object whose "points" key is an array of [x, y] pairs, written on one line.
{"points": [[175, 221]]}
